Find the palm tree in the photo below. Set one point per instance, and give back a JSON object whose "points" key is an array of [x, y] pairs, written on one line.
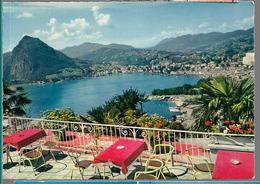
{"points": [[14, 101], [227, 97], [244, 106]]}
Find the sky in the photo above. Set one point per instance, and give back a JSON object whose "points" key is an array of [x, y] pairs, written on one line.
{"points": [[140, 24]]}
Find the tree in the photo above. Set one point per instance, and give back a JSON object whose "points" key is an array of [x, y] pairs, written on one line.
{"points": [[226, 98], [115, 109], [14, 101], [61, 114]]}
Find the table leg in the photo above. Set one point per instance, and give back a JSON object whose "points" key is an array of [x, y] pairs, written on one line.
{"points": [[104, 172]]}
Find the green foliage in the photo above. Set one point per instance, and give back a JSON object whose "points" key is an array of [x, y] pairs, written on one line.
{"points": [[60, 114], [153, 121], [14, 100], [175, 126], [185, 89], [225, 98], [130, 118], [115, 109], [200, 126]]}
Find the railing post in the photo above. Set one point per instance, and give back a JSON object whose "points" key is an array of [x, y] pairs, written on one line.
{"points": [[10, 125], [134, 133]]}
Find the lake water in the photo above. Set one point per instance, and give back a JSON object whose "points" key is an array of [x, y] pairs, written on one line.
{"points": [[82, 95]]}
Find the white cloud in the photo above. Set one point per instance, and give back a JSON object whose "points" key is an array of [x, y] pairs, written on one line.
{"points": [[75, 27], [245, 22], [174, 32], [101, 18], [24, 15], [74, 31], [203, 25]]}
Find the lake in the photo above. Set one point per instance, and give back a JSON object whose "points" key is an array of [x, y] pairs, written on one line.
{"points": [[82, 95]]}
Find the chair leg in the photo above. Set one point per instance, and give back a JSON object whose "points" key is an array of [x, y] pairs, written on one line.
{"points": [[110, 171], [20, 165], [104, 172], [44, 162], [32, 167], [81, 173], [71, 174], [99, 173], [11, 158], [162, 174], [8, 156], [53, 155], [167, 169]]}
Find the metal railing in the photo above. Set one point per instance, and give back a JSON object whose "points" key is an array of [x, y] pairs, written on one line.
{"points": [[79, 135]]}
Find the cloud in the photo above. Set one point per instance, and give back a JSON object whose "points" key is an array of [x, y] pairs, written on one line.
{"points": [[101, 18], [75, 27], [245, 22], [74, 31], [203, 25], [24, 15], [174, 32]]}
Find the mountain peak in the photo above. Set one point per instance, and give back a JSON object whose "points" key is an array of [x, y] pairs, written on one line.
{"points": [[27, 38], [30, 43], [32, 59]]}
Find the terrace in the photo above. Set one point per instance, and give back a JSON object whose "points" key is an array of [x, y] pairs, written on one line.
{"points": [[83, 139]]}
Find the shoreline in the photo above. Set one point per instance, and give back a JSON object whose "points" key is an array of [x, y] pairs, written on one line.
{"points": [[236, 72], [96, 76], [182, 106]]}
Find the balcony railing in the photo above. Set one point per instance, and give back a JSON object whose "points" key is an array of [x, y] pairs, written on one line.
{"points": [[79, 135]]}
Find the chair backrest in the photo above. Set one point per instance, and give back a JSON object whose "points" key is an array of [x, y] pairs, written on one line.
{"points": [[163, 151], [153, 163], [197, 151], [74, 157], [198, 156], [34, 152], [95, 150], [152, 170]]}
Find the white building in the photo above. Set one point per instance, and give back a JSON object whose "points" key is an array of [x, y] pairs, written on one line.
{"points": [[249, 59]]}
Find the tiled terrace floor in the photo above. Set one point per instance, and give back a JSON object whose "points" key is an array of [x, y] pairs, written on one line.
{"points": [[62, 170]]}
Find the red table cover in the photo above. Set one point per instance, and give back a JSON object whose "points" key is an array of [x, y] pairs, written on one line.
{"points": [[24, 137], [224, 169], [122, 157]]}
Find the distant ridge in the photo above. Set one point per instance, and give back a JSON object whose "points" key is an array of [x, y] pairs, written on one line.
{"points": [[32, 60], [83, 51], [187, 43]]}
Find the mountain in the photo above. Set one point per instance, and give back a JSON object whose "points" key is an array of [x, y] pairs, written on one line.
{"points": [[217, 45], [114, 53], [200, 42], [98, 53], [33, 60], [81, 50]]}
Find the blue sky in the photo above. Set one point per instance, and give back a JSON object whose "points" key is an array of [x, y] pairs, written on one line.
{"points": [[137, 24]]}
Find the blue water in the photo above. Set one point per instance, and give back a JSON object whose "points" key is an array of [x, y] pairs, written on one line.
{"points": [[82, 95]]}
